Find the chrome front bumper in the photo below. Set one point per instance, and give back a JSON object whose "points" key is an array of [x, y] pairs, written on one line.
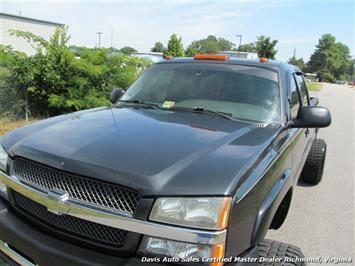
{"points": [[14, 255], [68, 206]]}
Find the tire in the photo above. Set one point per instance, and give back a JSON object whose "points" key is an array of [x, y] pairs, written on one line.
{"points": [[313, 169], [275, 253]]}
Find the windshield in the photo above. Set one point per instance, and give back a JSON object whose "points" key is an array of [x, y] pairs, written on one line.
{"points": [[243, 92]]}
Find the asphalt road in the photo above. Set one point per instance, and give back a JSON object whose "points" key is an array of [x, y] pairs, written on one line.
{"points": [[321, 218]]}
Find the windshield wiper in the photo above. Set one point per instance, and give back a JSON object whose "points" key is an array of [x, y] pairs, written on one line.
{"points": [[198, 109], [140, 102], [204, 110], [195, 109]]}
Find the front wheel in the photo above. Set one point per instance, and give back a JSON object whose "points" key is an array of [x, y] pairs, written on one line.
{"points": [[313, 169], [275, 253]]}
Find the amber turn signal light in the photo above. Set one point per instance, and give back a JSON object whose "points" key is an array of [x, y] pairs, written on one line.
{"points": [[217, 255], [223, 217]]}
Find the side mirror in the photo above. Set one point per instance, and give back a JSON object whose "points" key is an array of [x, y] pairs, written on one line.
{"points": [[116, 93], [312, 117]]}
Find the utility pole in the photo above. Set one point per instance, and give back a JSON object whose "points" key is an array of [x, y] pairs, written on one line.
{"points": [[240, 40], [112, 38], [99, 33], [240, 43], [294, 53]]}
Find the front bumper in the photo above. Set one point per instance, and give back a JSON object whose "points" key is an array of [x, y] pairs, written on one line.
{"points": [[22, 244], [45, 250], [86, 212]]}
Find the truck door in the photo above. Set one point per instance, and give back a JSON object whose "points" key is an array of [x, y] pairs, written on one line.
{"points": [[299, 97]]}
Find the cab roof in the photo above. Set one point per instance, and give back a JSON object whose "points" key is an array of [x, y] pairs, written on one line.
{"points": [[271, 64]]}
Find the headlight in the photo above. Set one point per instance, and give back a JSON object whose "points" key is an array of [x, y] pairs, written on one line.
{"points": [[3, 158], [181, 252], [203, 213]]}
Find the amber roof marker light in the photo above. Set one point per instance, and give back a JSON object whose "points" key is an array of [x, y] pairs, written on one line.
{"points": [[169, 57], [263, 59], [220, 57]]}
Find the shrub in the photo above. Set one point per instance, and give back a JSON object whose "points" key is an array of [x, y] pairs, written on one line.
{"points": [[60, 82]]}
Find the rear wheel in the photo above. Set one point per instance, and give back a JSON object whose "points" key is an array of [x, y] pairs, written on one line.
{"points": [[275, 253], [313, 169]]}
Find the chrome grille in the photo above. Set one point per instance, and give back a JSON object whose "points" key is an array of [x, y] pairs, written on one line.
{"points": [[72, 225], [78, 187]]}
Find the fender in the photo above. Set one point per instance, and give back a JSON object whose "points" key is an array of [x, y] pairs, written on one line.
{"points": [[270, 205]]}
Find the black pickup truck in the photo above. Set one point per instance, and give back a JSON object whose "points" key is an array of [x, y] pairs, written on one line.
{"points": [[193, 164]]}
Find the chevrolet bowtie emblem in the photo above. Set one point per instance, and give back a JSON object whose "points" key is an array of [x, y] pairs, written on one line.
{"points": [[56, 202]]}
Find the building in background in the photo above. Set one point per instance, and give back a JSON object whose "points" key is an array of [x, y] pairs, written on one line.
{"points": [[236, 54], [152, 56], [311, 77], [43, 28]]}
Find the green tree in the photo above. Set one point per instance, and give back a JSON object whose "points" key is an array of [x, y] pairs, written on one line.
{"points": [[175, 47], [78, 50], [298, 62], [351, 71], [158, 47], [248, 47], [330, 60], [13, 83], [225, 45], [266, 47], [128, 50], [50, 68], [212, 44], [194, 47], [209, 45], [19, 63], [58, 82]]}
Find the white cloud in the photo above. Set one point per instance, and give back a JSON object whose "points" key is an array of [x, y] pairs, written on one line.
{"points": [[141, 26], [141, 23]]}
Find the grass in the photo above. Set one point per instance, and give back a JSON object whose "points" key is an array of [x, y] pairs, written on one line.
{"points": [[6, 126], [314, 86]]}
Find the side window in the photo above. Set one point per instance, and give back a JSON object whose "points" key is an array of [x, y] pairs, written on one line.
{"points": [[303, 89], [294, 98]]}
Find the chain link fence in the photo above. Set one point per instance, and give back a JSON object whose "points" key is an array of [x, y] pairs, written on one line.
{"points": [[13, 97]]}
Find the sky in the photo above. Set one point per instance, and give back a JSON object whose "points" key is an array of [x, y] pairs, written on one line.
{"points": [[295, 24]]}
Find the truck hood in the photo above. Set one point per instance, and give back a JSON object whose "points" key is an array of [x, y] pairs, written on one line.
{"points": [[153, 151]]}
